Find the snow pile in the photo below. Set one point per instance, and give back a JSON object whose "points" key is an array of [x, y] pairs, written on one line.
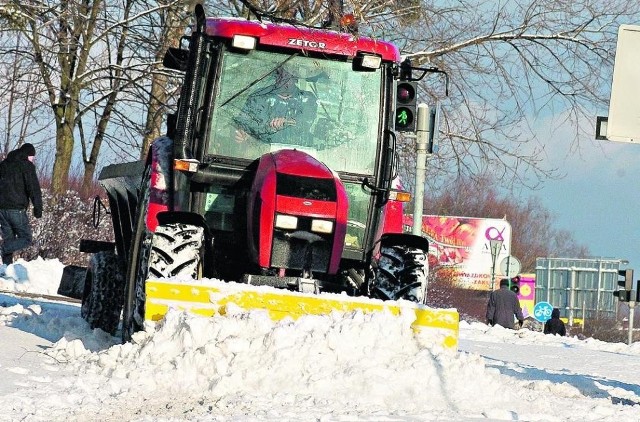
{"points": [[355, 362], [32, 277], [339, 367]]}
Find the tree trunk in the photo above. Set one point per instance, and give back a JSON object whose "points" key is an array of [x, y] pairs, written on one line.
{"points": [[155, 113], [176, 22], [64, 154], [87, 179]]}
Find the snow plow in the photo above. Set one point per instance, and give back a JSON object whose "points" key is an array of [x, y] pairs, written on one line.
{"points": [[277, 175], [209, 298]]}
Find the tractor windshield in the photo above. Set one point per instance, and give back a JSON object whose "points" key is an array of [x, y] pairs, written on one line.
{"points": [[268, 101]]}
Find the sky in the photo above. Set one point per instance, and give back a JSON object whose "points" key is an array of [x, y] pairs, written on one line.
{"points": [[339, 367], [598, 199]]}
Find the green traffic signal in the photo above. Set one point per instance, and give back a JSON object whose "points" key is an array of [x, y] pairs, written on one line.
{"points": [[404, 118], [406, 101]]}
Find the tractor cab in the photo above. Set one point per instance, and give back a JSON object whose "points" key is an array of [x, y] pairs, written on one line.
{"points": [[265, 88], [329, 112]]}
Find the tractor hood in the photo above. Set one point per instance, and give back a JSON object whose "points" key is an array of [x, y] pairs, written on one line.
{"points": [[298, 163], [292, 195]]}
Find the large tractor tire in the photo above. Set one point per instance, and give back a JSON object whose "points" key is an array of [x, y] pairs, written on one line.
{"points": [[401, 271], [176, 249], [133, 312], [103, 292], [133, 319]]}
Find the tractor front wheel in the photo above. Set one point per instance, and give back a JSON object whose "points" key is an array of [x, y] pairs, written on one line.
{"points": [[402, 269], [176, 249]]}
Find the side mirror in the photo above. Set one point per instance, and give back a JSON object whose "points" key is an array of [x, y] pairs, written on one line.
{"points": [[176, 58]]}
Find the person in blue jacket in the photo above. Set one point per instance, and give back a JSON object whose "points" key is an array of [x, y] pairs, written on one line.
{"points": [[503, 306]]}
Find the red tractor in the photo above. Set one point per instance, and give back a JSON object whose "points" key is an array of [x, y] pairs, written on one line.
{"points": [[277, 169]]}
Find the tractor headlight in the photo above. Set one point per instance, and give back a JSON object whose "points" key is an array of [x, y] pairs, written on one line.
{"points": [[286, 222], [244, 42], [321, 226], [371, 62]]}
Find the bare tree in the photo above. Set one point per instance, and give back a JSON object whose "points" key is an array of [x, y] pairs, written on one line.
{"points": [[85, 66], [20, 112], [165, 30], [533, 234], [511, 63]]}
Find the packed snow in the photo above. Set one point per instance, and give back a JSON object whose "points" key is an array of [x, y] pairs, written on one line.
{"points": [[340, 367]]}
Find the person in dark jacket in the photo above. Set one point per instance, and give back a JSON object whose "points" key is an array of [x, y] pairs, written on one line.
{"points": [[19, 185], [555, 324], [503, 306]]}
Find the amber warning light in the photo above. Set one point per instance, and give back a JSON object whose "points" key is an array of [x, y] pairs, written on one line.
{"points": [[188, 165], [348, 21]]}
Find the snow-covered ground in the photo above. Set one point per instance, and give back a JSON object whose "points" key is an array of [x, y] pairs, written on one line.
{"points": [[245, 367]]}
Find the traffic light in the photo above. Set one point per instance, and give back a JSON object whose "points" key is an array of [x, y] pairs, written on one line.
{"points": [[622, 295], [406, 100], [627, 279], [514, 284], [625, 285]]}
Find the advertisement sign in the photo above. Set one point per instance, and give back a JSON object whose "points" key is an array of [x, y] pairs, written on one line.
{"points": [[462, 243], [527, 294]]}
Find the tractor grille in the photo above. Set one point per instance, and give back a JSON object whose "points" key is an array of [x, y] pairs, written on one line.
{"points": [[290, 252], [306, 187]]}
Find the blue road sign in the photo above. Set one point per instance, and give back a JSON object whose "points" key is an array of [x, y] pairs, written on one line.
{"points": [[542, 311]]}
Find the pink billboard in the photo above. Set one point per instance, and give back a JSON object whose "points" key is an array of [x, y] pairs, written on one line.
{"points": [[462, 243]]}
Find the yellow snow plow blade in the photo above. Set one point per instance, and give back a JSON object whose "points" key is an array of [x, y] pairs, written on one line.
{"points": [[210, 297]]}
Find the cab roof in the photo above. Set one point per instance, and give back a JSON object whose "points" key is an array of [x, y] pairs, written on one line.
{"points": [[302, 38]]}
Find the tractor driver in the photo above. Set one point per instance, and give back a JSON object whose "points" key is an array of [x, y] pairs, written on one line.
{"points": [[280, 113]]}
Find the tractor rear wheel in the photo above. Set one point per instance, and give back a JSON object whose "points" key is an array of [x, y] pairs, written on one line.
{"points": [[401, 273], [103, 292]]}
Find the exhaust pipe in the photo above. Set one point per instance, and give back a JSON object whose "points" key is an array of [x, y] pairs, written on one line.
{"points": [[191, 88]]}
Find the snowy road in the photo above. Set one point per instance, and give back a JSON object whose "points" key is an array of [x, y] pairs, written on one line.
{"points": [[600, 373]]}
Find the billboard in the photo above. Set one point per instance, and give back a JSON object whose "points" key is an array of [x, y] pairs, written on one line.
{"points": [[624, 107], [462, 243]]}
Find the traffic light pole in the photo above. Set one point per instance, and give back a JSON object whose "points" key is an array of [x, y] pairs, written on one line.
{"points": [[422, 139], [632, 305]]}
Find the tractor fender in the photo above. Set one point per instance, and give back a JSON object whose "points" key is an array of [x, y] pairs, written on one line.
{"points": [[186, 217], [406, 239]]}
